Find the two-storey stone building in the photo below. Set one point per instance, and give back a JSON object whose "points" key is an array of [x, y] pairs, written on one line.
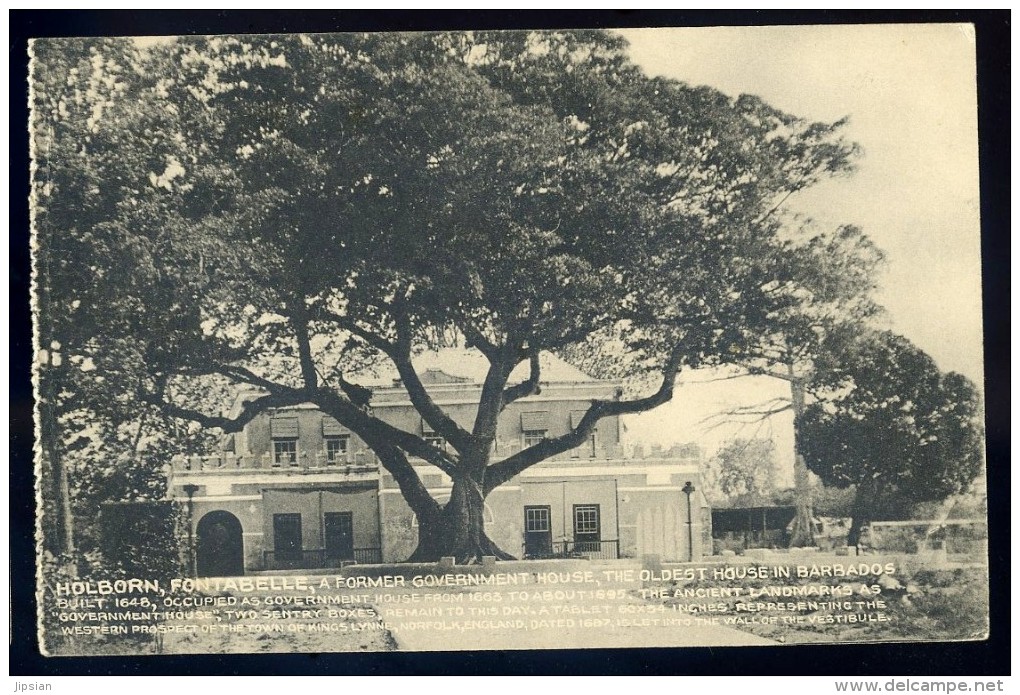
{"points": [[297, 490]]}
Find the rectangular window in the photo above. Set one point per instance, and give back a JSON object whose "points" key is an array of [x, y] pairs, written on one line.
{"points": [[337, 448], [536, 519], [533, 437], [285, 452]]}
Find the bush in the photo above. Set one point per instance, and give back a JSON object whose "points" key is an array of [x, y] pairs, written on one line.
{"points": [[142, 539]]}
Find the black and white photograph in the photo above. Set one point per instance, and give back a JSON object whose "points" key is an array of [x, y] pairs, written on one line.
{"points": [[492, 340]]}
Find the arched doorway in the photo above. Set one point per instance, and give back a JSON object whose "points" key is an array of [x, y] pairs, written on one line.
{"points": [[220, 551]]}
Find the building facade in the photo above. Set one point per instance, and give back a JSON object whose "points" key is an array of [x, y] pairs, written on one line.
{"points": [[297, 490]]}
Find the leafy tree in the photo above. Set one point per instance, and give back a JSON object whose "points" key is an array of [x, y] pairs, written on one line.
{"points": [[833, 275], [300, 208], [743, 472], [901, 431], [99, 441], [71, 88]]}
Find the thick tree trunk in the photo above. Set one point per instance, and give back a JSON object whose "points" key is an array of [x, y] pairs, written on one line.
{"points": [[458, 531], [58, 531], [853, 536], [858, 515], [802, 533]]}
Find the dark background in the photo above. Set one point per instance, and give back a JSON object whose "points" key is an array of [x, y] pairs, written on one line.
{"points": [[990, 657]]}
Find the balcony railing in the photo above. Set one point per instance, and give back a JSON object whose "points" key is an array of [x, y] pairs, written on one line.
{"points": [[318, 558], [594, 550]]}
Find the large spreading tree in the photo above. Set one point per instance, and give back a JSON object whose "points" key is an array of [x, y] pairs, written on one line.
{"points": [[284, 212], [897, 429]]}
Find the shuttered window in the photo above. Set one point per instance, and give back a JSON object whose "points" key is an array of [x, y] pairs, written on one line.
{"points": [[535, 421], [332, 428], [283, 427]]}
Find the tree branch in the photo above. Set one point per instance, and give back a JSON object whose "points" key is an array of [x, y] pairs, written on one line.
{"points": [[527, 387], [375, 431], [443, 424], [729, 377], [477, 339], [758, 370], [299, 319], [753, 409], [766, 413], [373, 339], [722, 418], [502, 471], [350, 414], [778, 205], [411, 487], [490, 401], [249, 411], [245, 375]]}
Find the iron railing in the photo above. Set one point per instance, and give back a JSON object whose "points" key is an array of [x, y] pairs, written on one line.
{"points": [[318, 558], [595, 550]]}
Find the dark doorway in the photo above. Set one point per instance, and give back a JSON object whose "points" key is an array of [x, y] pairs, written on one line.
{"points": [[537, 532], [220, 546], [287, 539], [339, 532], [587, 528]]}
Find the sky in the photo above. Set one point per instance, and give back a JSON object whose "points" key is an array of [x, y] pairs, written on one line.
{"points": [[910, 94]]}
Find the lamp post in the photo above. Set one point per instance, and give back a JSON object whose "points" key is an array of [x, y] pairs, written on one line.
{"points": [[190, 491], [688, 488]]}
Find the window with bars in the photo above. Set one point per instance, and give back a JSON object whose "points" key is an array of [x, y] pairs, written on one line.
{"points": [[285, 452], [337, 447]]}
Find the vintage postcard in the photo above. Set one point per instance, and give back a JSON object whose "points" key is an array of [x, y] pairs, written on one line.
{"points": [[508, 340]]}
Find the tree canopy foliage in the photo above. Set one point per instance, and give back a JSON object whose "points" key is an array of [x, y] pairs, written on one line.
{"points": [[742, 473], [900, 430], [279, 212]]}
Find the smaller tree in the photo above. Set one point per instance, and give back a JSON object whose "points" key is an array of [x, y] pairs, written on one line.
{"points": [[743, 473], [899, 430]]}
